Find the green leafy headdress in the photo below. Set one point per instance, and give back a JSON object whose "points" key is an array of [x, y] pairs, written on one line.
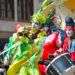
{"points": [[44, 14]]}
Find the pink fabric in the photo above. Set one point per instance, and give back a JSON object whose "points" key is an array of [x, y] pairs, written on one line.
{"points": [[69, 28]]}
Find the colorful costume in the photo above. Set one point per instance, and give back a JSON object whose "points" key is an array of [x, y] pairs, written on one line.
{"points": [[23, 57], [9, 46], [44, 17], [51, 45], [32, 67], [69, 41]]}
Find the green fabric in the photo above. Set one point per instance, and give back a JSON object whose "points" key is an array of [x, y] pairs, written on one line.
{"points": [[8, 47], [29, 68], [39, 43], [24, 51], [16, 50], [40, 40], [29, 52]]}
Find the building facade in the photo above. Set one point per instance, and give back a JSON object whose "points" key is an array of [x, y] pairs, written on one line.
{"points": [[12, 11]]}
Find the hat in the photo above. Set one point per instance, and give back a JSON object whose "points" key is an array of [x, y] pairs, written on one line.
{"points": [[69, 21]]}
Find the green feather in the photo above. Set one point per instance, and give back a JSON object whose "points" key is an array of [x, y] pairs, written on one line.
{"points": [[43, 15], [46, 2]]}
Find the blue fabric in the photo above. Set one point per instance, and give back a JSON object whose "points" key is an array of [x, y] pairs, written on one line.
{"points": [[72, 46], [53, 28], [62, 33]]}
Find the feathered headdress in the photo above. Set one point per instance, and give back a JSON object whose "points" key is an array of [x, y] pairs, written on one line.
{"points": [[44, 14]]}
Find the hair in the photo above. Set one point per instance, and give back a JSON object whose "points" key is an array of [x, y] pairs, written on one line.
{"points": [[69, 21]]}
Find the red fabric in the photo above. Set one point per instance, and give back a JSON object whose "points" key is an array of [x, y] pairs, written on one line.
{"points": [[65, 45], [74, 28], [72, 56], [65, 48], [49, 46], [42, 69], [69, 28]]}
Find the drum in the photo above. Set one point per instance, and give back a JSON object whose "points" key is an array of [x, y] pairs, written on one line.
{"points": [[61, 65]]}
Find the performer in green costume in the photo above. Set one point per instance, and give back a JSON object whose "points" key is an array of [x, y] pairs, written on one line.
{"points": [[24, 54]]}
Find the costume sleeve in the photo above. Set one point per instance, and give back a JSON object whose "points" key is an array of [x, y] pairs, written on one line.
{"points": [[49, 46]]}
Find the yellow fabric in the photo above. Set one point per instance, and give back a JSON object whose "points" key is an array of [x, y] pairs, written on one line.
{"points": [[15, 67]]}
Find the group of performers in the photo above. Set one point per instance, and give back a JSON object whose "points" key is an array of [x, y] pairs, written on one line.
{"points": [[31, 48]]}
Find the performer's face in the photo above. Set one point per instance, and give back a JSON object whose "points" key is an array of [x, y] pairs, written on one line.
{"points": [[69, 32], [57, 21]]}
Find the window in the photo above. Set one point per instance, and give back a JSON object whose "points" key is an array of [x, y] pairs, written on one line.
{"points": [[24, 10], [7, 9]]}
